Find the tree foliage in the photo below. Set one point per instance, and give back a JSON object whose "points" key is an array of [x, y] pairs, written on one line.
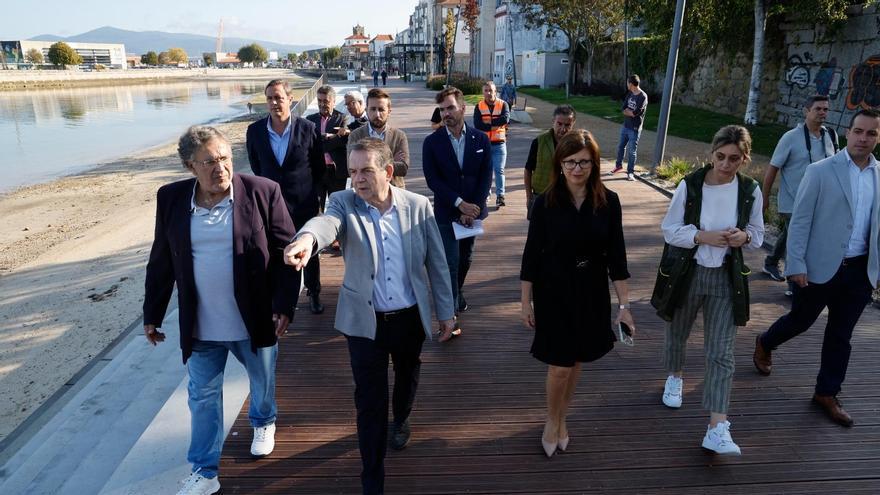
{"points": [[291, 56], [330, 54], [470, 16], [150, 58], [177, 55], [583, 22], [62, 54], [34, 56], [209, 59], [163, 58], [253, 53]]}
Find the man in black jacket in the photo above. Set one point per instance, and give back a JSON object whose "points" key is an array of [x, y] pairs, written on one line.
{"points": [[331, 127], [288, 150]]}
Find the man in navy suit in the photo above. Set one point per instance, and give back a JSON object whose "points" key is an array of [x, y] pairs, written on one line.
{"points": [[458, 168], [288, 150], [219, 238]]}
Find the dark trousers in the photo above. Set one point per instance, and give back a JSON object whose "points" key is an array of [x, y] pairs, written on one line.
{"points": [[459, 254], [330, 183], [845, 296], [779, 249], [312, 271], [400, 336]]}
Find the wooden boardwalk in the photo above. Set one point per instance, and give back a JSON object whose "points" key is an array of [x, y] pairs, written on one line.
{"points": [[478, 416]]}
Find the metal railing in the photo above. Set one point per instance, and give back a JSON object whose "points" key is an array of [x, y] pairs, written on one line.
{"points": [[299, 108]]}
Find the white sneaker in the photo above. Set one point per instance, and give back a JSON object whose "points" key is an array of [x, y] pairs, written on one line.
{"points": [[718, 440], [264, 440], [197, 484], [630, 177], [672, 392]]}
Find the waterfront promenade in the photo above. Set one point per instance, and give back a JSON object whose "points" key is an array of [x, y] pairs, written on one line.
{"points": [[479, 412]]}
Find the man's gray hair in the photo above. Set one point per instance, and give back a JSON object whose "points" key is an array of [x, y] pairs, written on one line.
{"points": [[194, 138], [355, 94], [327, 90], [375, 149]]}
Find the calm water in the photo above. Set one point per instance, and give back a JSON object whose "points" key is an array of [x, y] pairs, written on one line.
{"points": [[51, 132]]}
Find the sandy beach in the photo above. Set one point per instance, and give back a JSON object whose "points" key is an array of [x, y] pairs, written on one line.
{"points": [[72, 258]]}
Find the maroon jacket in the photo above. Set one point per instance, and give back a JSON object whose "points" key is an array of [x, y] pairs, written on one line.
{"points": [[263, 283]]}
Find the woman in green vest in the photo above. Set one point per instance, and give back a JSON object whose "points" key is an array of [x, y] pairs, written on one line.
{"points": [[714, 213]]}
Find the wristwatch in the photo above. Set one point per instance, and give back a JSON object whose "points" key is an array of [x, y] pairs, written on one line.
{"points": [[748, 237], [622, 306]]}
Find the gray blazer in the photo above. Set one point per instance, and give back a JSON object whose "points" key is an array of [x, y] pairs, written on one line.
{"points": [[396, 140], [348, 219], [822, 221]]}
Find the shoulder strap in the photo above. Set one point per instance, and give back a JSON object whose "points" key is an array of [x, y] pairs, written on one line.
{"points": [[834, 140]]}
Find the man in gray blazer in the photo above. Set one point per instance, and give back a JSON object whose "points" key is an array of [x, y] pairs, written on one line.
{"points": [[392, 251], [833, 257], [378, 111]]}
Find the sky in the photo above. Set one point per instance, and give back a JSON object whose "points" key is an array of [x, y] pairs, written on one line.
{"points": [[282, 21]]}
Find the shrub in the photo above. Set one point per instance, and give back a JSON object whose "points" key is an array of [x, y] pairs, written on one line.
{"points": [[675, 169], [467, 85]]}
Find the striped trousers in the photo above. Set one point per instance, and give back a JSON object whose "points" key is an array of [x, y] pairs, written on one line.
{"points": [[710, 290]]}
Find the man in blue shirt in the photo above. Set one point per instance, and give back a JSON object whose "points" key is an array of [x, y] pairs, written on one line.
{"points": [[634, 105]]}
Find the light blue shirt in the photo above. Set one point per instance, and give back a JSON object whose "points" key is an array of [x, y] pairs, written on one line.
{"points": [[279, 143], [791, 158], [458, 144], [863, 195], [374, 134], [392, 289], [217, 315]]}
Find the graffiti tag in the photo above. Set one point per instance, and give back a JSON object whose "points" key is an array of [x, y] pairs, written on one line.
{"points": [[798, 73], [864, 85]]}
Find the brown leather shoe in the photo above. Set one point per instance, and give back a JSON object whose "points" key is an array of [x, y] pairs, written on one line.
{"points": [[761, 358], [834, 409]]}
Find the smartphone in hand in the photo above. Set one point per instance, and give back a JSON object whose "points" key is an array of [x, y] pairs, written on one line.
{"points": [[624, 334]]}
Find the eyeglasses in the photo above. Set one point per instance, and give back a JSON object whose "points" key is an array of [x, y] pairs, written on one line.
{"points": [[571, 164], [213, 162]]}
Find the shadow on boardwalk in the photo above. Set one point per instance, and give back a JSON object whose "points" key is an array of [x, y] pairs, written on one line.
{"points": [[479, 412]]}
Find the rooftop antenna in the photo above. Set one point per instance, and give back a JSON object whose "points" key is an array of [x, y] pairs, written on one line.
{"points": [[218, 46]]}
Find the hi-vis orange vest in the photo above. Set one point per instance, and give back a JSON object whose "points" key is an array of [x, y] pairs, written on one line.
{"points": [[498, 134]]}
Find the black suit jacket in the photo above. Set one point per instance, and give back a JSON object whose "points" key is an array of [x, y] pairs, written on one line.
{"points": [[301, 171], [448, 181], [335, 146], [263, 283]]}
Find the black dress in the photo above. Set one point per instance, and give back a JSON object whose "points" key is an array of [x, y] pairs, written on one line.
{"points": [[569, 257]]}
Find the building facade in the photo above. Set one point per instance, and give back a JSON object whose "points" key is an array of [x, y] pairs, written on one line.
{"points": [[108, 55]]}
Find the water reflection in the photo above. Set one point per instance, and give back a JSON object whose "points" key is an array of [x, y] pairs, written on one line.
{"points": [[89, 125]]}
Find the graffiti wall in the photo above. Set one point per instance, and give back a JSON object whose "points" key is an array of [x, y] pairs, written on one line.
{"points": [[845, 67]]}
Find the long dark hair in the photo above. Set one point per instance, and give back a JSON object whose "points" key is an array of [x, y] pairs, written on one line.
{"points": [[557, 192]]}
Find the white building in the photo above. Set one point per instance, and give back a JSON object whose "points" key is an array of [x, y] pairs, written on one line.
{"points": [[513, 37], [109, 55]]}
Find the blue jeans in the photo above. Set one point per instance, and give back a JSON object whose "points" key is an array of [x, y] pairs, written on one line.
{"points": [[205, 389], [499, 159], [459, 254], [631, 137]]}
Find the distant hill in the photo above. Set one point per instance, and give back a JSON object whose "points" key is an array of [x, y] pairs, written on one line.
{"points": [[140, 42]]}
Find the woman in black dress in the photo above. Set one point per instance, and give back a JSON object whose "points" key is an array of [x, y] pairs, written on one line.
{"points": [[575, 244]]}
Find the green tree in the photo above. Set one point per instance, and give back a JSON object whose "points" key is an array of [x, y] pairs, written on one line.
{"points": [[583, 22], [163, 58], [177, 55], [291, 57], [330, 54], [253, 53], [209, 59], [150, 58], [62, 54], [34, 56]]}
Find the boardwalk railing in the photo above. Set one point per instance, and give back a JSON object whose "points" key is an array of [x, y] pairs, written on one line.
{"points": [[299, 108]]}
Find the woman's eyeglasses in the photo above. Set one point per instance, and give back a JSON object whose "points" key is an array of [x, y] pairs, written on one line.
{"points": [[571, 164]]}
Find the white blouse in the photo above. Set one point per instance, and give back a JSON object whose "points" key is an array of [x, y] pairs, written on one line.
{"points": [[718, 213]]}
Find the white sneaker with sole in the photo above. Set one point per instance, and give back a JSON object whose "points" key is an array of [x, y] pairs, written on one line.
{"points": [[197, 484], [718, 440], [672, 392], [630, 177], [264, 440]]}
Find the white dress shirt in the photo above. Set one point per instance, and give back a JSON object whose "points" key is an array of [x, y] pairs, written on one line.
{"points": [[392, 289], [718, 212], [863, 196]]}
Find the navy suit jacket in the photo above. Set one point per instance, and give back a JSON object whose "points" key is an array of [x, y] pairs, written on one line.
{"points": [[336, 146], [448, 181], [261, 228], [301, 171]]}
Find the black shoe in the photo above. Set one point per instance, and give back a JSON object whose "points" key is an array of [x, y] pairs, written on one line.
{"points": [[462, 304], [499, 201], [399, 437], [773, 272], [315, 305]]}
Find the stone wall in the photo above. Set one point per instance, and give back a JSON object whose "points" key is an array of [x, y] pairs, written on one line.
{"points": [[805, 61], [845, 67]]}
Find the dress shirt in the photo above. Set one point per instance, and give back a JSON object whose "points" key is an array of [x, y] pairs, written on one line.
{"points": [[458, 144], [374, 134], [217, 316], [328, 160], [863, 196], [392, 289], [718, 212], [279, 143]]}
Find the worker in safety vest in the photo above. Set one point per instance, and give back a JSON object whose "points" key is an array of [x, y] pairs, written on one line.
{"points": [[492, 115]]}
